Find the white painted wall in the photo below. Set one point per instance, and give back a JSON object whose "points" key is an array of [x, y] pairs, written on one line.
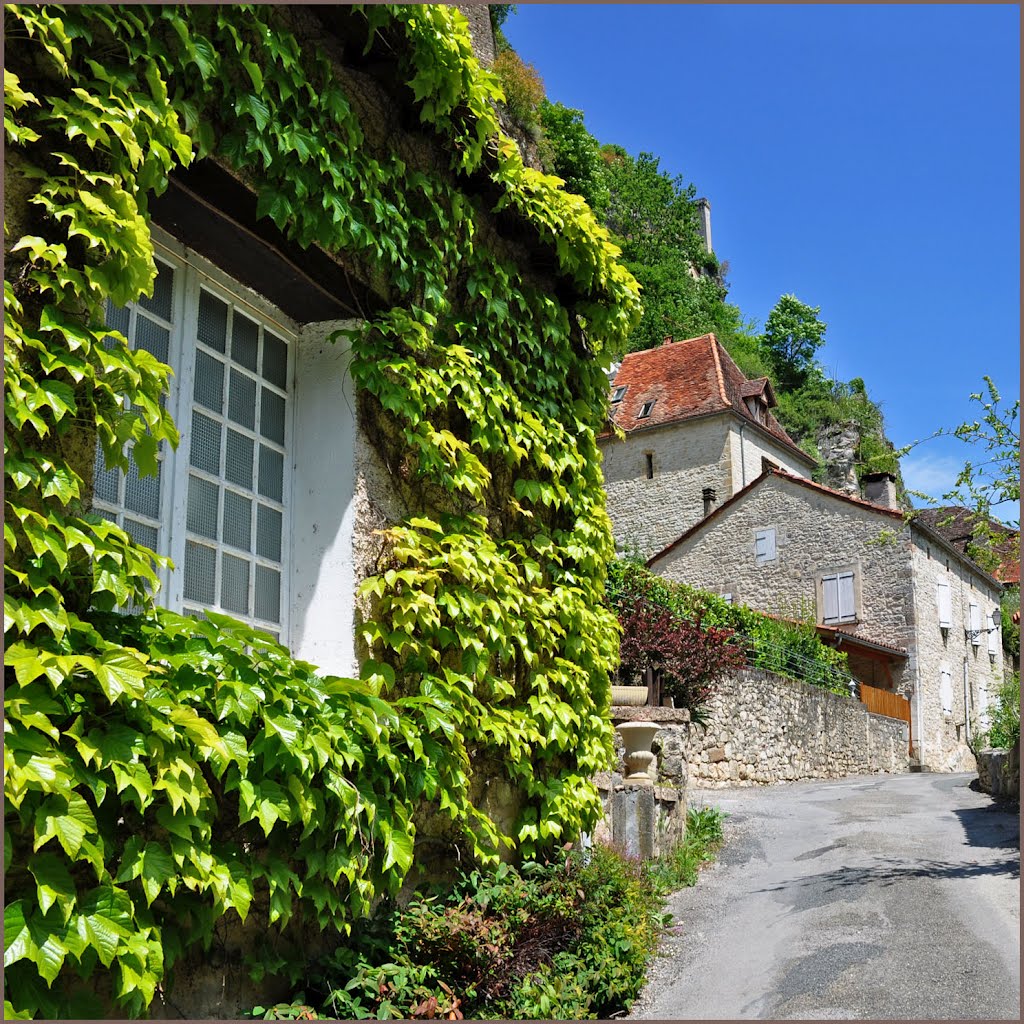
{"points": [[323, 506]]}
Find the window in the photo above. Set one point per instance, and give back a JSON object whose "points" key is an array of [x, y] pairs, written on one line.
{"points": [[993, 633], [649, 460], [945, 603], [645, 409], [838, 598], [618, 394], [946, 690], [764, 545], [974, 618], [727, 598], [219, 504]]}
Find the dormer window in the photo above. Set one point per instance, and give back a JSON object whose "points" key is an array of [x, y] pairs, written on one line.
{"points": [[645, 409], [618, 394], [756, 407]]}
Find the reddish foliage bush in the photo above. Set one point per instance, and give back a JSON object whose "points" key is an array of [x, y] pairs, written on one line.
{"points": [[690, 658]]}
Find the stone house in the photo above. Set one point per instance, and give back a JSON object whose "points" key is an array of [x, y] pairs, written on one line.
{"points": [[916, 616], [696, 432]]}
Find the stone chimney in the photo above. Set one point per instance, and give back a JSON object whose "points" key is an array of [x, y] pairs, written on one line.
{"points": [[880, 489], [704, 221]]}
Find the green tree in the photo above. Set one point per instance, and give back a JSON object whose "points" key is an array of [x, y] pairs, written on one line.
{"points": [[792, 336], [574, 154], [989, 482]]}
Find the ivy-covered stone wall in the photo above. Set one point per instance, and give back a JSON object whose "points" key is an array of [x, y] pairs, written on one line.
{"points": [[168, 777]]}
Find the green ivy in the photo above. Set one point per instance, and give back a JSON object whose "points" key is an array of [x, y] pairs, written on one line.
{"points": [[163, 772]]}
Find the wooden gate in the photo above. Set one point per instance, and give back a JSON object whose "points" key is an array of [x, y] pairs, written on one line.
{"points": [[885, 702]]}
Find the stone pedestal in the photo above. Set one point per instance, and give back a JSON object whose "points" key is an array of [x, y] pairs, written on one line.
{"points": [[634, 822]]}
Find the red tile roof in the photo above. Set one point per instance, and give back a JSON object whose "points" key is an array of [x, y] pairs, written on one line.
{"points": [[686, 379], [956, 524]]}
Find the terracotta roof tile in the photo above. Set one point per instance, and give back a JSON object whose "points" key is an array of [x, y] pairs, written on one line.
{"points": [[956, 524], [685, 379]]}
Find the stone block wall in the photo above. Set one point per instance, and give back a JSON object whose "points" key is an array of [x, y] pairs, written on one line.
{"points": [[999, 773], [765, 729]]}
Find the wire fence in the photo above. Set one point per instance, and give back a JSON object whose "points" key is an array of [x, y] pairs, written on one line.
{"points": [[785, 661]]}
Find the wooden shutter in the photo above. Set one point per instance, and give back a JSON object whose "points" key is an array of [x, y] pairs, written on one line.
{"points": [[847, 608], [946, 689], [945, 604], [764, 545], [975, 621], [830, 598]]}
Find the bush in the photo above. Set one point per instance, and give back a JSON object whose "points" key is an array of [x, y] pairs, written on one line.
{"points": [[1004, 730], [787, 647], [523, 87], [566, 939]]}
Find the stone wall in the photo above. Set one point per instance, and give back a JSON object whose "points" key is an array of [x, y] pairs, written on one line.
{"points": [[648, 514], [999, 773], [815, 533], [765, 729], [942, 731]]}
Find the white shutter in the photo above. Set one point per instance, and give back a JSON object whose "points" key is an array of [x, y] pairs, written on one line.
{"points": [[975, 620], [993, 634], [830, 598], [727, 598], [847, 609], [764, 545], [946, 689], [945, 604]]}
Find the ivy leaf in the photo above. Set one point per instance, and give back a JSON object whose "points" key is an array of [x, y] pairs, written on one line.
{"points": [[53, 883], [157, 867], [119, 672], [105, 920], [68, 818]]}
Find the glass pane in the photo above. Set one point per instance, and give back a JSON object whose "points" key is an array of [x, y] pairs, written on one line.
{"points": [[209, 385], [237, 521], [118, 318], [268, 594], [242, 400], [204, 451], [142, 494], [275, 360], [162, 292], [105, 481], [238, 463], [203, 506], [142, 533], [272, 415], [271, 473], [200, 573], [152, 337], [268, 532], [234, 587], [245, 340], [212, 328]]}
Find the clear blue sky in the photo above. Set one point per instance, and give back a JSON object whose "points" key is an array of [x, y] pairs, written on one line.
{"points": [[864, 158]]}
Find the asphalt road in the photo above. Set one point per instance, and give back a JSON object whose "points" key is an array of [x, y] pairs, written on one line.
{"points": [[869, 898]]}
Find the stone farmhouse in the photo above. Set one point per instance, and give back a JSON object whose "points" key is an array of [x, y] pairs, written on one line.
{"points": [[696, 432], [916, 616]]}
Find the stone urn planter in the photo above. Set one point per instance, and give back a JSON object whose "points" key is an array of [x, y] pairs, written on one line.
{"points": [[629, 696], [637, 738]]}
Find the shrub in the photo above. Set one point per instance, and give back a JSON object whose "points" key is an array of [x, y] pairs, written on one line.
{"points": [[523, 87], [1004, 730]]}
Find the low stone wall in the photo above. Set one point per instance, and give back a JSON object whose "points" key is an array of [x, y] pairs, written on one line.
{"points": [[763, 729], [999, 773]]}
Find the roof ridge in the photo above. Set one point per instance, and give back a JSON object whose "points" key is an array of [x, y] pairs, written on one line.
{"points": [[718, 368]]}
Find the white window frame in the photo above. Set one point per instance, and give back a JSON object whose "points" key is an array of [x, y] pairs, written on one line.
{"points": [[192, 273], [764, 545], [844, 582], [619, 393], [944, 603], [646, 409]]}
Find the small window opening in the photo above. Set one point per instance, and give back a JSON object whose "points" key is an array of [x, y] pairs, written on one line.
{"points": [[618, 394], [645, 409], [649, 457]]}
